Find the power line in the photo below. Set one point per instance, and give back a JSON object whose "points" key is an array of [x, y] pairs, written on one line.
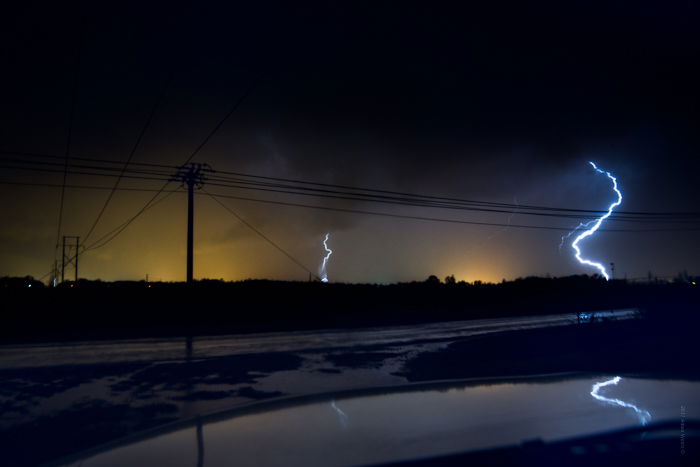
{"points": [[418, 203], [155, 176], [234, 107], [400, 202], [22, 164], [262, 235], [343, 210], [71, 118], [424, 200], [435, 219], [109, 236], [81, 158], [131, 155], [344, 195], [194, 153], [448, 199], [105, 239], [86, 187]]}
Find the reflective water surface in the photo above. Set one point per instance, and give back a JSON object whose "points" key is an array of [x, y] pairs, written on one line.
{"points": [[410, 423]]}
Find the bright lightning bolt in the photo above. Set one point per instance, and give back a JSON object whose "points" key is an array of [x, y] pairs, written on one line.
{"points": [[596, 225], [322, 269], [644, 416]]}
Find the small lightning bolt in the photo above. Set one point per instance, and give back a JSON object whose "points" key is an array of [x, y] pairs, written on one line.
{"points": [[342, 415], [322, 269], [510, 218], [564, 238], [644, 416], [596, 225]]}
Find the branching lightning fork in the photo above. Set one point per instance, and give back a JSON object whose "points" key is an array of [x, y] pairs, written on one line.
{"points": [[564, 238], [596, 225]]}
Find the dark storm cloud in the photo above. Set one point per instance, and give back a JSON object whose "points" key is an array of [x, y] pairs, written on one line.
{"points": [[554, 76], [431, 88]]}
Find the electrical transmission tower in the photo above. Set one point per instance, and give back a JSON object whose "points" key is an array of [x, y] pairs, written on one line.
{"points": [[191, 175], [70, 255]]}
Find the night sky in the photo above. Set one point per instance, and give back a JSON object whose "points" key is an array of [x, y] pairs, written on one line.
{"points": [[504, 102]]}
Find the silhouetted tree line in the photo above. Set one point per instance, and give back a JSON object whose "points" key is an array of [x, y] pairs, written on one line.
{"points": [[89, 309]]}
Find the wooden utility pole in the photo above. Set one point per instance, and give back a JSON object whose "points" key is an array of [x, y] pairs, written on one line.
{"points": [[70, 244], [192, 177]]}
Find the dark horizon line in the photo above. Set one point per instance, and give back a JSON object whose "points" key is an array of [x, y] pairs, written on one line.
{"points": [[431, 279]]}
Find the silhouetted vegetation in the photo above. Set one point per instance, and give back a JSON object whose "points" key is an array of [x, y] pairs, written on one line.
{"points": [[96, 309]]}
